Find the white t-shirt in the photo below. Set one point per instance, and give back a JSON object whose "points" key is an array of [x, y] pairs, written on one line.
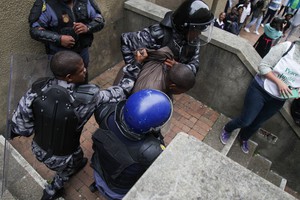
{"points": [[288, 70], [245, 13], [275, 4]]}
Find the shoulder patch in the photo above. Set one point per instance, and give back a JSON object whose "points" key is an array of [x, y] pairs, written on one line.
{"points": [[38, 7], [156, 31], [44, 8]]}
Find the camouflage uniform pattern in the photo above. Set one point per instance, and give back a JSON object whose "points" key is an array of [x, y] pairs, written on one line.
{"points": [[146, 38], [65, 166]]}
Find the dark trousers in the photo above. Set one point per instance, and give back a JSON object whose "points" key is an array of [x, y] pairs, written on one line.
{"points": [[64, 170], [269, 16], [226, 6], [259, 106]]}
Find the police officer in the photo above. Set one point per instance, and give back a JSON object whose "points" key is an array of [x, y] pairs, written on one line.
{"points": [[124, 145], [179, 30], [66, 25], [56, 109]]}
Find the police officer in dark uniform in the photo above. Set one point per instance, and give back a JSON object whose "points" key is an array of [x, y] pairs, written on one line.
{"points": [[179, 30], [56, 110], [66, 25], [126, 144]]}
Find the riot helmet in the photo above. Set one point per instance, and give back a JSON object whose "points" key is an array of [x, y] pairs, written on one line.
{"points": [[146, 111], [192, 18]]}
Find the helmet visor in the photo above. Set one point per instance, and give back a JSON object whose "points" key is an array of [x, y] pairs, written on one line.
{"points": [[199, 34]]}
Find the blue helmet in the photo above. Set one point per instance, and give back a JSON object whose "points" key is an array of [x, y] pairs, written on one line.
{"points": [[147, 110]]}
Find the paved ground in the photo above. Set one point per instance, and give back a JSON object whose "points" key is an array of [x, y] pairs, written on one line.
{"points": [[190, 116]]}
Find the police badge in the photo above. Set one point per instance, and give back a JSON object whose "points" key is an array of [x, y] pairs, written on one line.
{"points": [[65, 18]]}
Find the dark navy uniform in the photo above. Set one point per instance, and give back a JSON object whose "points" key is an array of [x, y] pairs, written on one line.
{"points": [[50, 19], [120, 158]]}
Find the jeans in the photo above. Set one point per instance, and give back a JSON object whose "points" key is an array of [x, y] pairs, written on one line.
{"points": [[259, 106], [257, 20], [270, 14]]}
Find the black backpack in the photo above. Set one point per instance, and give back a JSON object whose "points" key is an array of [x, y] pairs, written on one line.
{"points": [[295, 106], [295, 111]]}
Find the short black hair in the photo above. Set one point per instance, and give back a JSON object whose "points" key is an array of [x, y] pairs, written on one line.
{"points": [[182, 76], [64, 63], [277, 23]]}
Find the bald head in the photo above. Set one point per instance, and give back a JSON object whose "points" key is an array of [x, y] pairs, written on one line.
{"points": [[182, 77]]}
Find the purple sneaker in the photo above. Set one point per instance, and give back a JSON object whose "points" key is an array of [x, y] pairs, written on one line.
{"points": [[244, 146], [224, 136]]}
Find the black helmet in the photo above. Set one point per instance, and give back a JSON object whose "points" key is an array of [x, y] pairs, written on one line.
{"points": [[192, 12]]}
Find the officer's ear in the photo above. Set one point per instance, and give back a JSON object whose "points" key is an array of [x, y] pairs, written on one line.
{"points": [[69, 78]]}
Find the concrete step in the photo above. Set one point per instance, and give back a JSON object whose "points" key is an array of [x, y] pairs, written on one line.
{"points": [[230, 142], [236, 154], [190, 169], [256, 163], [259, 165], [276, 179], [7, 196], [212, 138], [22, 181]]}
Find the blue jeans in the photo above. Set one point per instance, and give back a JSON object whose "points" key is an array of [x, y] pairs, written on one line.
{"points": [[259, 106], [254, 20]]}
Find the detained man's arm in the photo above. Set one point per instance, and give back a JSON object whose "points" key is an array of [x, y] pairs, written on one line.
{"points": [[131, 72], [132, 41]]}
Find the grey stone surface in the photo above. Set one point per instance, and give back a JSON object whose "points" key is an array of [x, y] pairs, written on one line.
{"points": [[22, 181], [232, 139], [276, 179], [147, 9], [238, 155], [212, 138], [7, 196], [259, 165], [190, 169]]}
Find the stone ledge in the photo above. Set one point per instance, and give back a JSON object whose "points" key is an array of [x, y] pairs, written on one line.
{"points": [[190, 169], [21, 179], [146, 9]]}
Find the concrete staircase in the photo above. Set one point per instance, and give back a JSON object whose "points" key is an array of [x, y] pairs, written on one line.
{"points": [[190, 169], [252, 161]]}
